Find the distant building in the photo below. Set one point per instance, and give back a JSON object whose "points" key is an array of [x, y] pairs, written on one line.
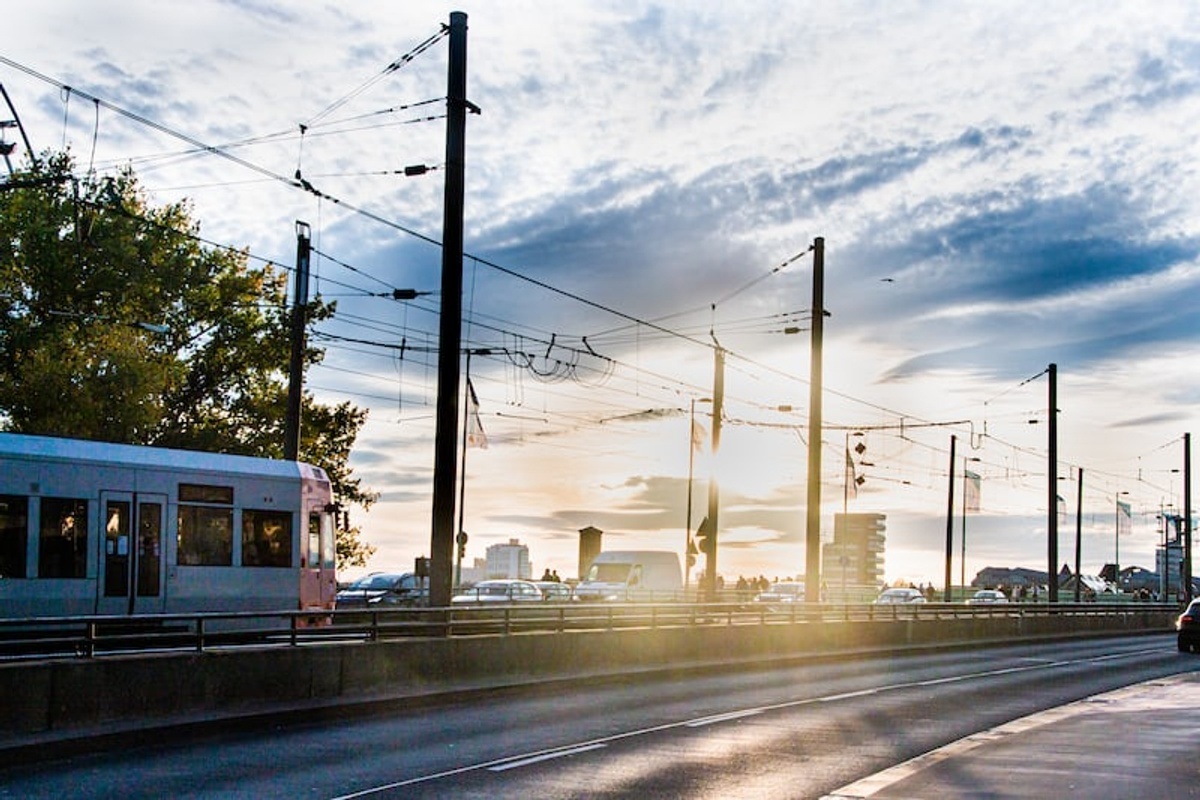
{"points": [[1168, 558], [1009, 577], [475, 573], [854, 559], [590, 539], [509, 561]]}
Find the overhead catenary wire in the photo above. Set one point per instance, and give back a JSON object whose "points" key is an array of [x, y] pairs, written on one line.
{"points": [[201, 147]]}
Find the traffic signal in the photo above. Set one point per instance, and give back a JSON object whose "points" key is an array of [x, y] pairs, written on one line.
{"points": [[705, 538]]}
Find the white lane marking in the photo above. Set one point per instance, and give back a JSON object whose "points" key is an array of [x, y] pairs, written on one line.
{"points": [[591, 744], [524, 762], [833, 698], [699, 723], [873, 784]]}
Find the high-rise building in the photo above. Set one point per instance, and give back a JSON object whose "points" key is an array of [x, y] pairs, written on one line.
{"points": [[852, 563], [509, 561]]}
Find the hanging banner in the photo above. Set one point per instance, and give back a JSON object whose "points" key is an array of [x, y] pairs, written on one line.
{"points": [[1124, 518], [970, 491]]}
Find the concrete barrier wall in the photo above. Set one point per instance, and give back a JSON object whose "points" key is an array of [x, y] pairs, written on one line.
{"points": [[64, 695]]}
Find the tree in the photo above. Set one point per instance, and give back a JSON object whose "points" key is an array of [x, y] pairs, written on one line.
{"points": [[120, 325]]}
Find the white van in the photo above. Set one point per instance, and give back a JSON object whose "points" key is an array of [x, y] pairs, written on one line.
{"points": [[624, 575]]}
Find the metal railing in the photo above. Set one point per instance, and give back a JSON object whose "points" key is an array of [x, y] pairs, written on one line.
{"points": [[92, 636]]}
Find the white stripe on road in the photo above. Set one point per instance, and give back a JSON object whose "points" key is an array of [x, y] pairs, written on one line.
{"points": [[524, 762], [699, 723]]}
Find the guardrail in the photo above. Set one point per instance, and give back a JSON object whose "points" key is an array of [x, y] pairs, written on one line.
{"points": [[94, 636]]}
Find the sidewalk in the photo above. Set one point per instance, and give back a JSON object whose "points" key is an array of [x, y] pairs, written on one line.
{"points": [[1139, 741]]}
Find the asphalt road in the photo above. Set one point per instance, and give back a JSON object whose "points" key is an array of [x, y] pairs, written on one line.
{"points": [[797, 732]]}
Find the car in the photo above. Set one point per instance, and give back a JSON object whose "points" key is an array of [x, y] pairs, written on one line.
{"points": [[1187, 625], [385, 590], [987, 597], [554, 591], [899, 596], [499, 591], [789, 592]]}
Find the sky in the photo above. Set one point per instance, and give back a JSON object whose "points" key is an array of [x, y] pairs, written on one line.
{"points": [[1000, 186]]}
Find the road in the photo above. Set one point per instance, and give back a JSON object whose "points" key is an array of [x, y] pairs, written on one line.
{"points": [[781, 732]]}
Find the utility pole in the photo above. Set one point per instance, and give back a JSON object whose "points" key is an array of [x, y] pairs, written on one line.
{"points": [[1187, 516], [291, 425], [1052, 490], [1078, 535], [950, 523], [442, 538], [714, 490], [812, 528]]}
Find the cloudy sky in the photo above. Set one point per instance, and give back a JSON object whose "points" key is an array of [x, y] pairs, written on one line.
{"points": [[1000, 186]]}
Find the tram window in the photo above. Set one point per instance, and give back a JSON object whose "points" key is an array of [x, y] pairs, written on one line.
{"points": [[62, 547], [266, 538], [14, 518], [205, 536], [328, 541]]}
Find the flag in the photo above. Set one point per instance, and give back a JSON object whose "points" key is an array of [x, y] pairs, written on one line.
{"points": [[851, 483], [1062, 508], [1124, 518], [699, 434], [970, 491], [476, 437]]}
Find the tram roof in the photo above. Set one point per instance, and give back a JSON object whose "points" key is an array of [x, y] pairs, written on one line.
{"points": [[83, 450]]}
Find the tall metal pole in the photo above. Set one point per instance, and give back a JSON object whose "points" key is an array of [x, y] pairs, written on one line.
{"points": [[714, 490], [1187, 516], [291, 423], [1078, 534], [950, 523], [462, 481], [962, 544], [812, 529], [687, 526], [441, 548], [1052, 490], [1117, 541]]}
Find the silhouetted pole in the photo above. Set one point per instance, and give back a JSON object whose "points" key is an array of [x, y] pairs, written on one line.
{"points": [[1052, 490], [812, 529], [1187, 516], [1078, 534], [950, 522], [291, 423], [442, 540], [714, 489]]}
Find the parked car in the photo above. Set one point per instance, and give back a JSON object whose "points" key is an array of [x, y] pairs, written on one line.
{"points": [[498, 591], [987, 597], [385, 590], [554, 591], [899, 596], [789, 592], [1188, 627]]}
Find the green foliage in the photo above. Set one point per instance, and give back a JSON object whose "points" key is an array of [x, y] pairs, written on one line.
{"points": [[85, 267]]}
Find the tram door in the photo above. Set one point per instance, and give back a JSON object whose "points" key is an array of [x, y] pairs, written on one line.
{"points": [[131, 553]]}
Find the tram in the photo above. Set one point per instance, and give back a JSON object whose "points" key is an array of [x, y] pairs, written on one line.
{"points": [[93, 528]]}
